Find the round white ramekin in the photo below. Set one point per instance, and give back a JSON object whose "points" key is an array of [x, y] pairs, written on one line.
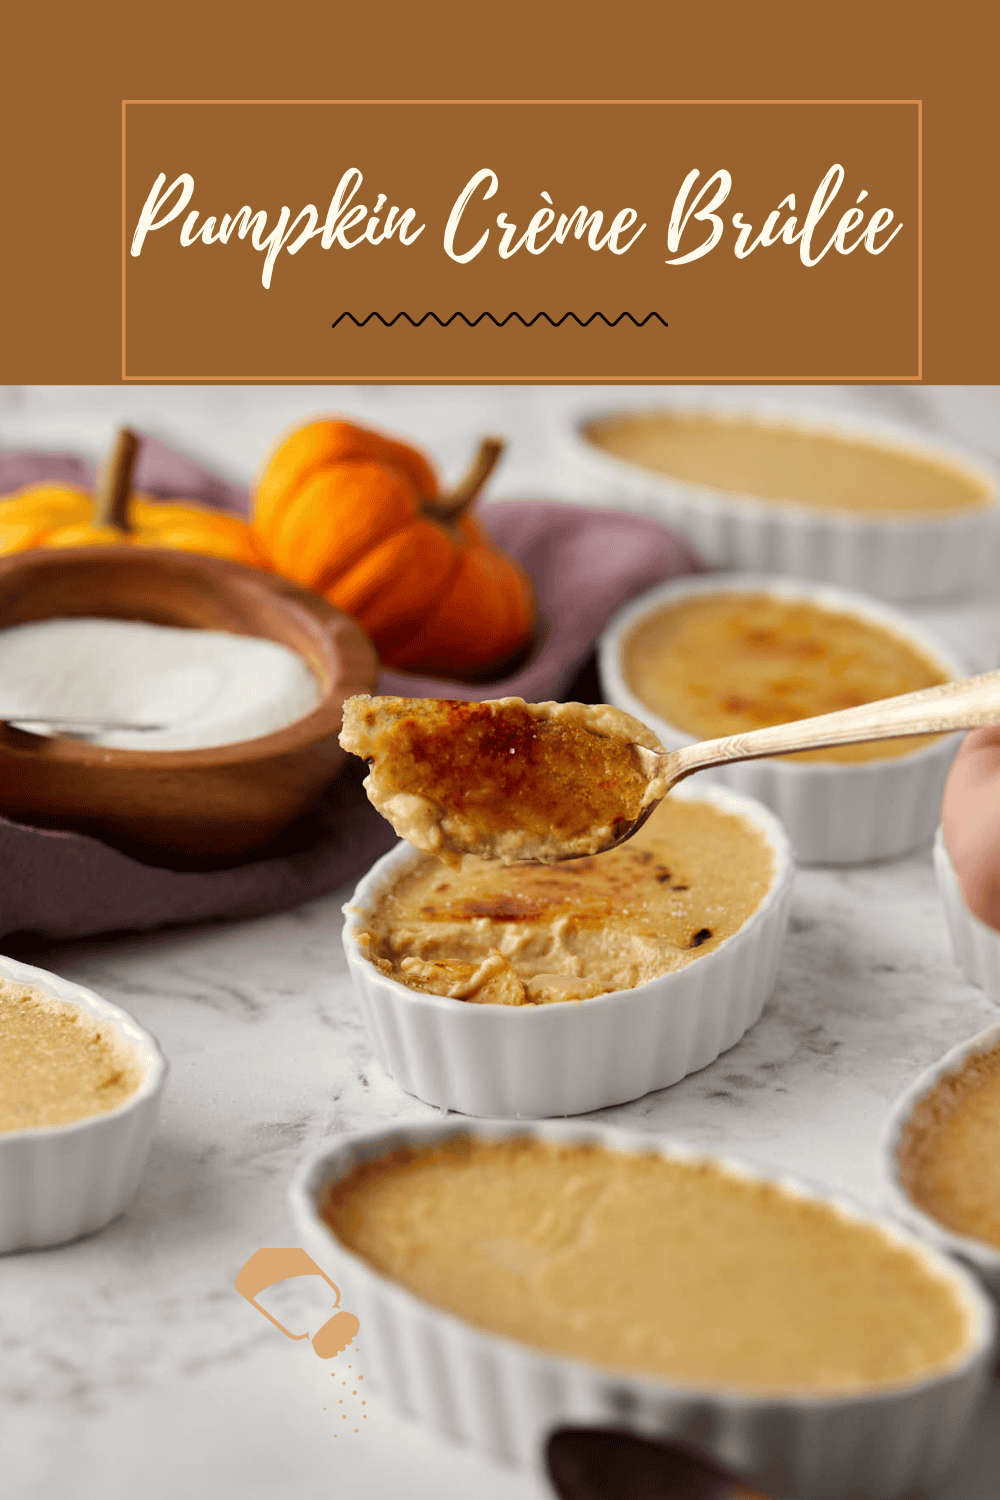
{"points": [[985, 1259], [835, 812], [891, 557], [504, 1397], [572, 1056], [976, 946], [62, 1181]]}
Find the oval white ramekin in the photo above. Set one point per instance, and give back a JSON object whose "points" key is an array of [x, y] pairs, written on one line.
{"points": [[62, 1181], [572, 1056], [985, 1259], [976, 946], [835, 812], [504, 1397], [890, 557]]}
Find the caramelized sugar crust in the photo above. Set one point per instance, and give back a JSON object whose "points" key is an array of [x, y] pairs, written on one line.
{"points": [[57, 1064], [949, 1154], [825, 471], [502, 778], [719, 664], [676, 1269], [492, 762], [533, 934]]}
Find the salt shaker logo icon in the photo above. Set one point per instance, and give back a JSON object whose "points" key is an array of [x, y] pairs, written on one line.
{"points": [[266, 1268]]}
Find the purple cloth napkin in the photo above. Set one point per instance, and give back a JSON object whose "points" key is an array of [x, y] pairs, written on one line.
{"points": [[585, 564]]}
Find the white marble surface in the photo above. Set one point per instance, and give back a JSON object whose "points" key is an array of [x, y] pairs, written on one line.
{"points": [[128, 1364]]}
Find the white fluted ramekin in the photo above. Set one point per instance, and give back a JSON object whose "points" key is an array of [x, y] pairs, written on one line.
{"points": [[975, 945], [572, 1056], [61, 1181], [835, 812], [985, 1259], [504, 1397], [890, 557]]}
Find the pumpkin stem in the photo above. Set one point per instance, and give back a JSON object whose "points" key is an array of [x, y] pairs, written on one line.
{"points": [[450, 507], [112, 495]]}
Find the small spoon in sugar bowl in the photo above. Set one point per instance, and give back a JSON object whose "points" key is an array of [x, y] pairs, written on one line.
{"points": [[74, 729], [543, 782]]}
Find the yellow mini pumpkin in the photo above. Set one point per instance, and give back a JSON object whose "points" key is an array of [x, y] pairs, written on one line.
{"points": [[50, 515], [360, 518]]}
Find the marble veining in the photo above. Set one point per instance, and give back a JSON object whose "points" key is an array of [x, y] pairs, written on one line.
{"points": [[128, 1364]]}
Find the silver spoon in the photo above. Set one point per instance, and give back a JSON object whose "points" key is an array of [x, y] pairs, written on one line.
{"points": [[76, 729], [455, 830]]}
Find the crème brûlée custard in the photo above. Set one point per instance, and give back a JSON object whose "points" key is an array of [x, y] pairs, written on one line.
{"points": [[57, 1063], [949, 1153], [713, 665], [672, 1268], [504, 779], [779, 463], [533, 934]]}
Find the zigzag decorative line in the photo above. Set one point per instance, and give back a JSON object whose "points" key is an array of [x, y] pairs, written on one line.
{"points": [[498, 322]]}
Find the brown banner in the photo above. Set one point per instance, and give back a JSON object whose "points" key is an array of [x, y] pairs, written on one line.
{"points": [[560, 240]]}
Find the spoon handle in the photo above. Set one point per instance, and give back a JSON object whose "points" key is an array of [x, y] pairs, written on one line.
{"points": [[951, 705]]}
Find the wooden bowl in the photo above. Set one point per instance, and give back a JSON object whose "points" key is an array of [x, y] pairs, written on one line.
{"points": [[213, 803]]}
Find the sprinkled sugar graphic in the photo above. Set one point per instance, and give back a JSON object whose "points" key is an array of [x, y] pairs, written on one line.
{"points": [[352, 1399], [270, 1267]]}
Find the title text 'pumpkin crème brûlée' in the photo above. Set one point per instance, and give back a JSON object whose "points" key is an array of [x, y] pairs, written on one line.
{"points": [[505, 780], [714, 665], [533, 934], [678, 1269]]}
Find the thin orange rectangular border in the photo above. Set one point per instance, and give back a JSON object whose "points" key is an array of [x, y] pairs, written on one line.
{"points": [[541, 379]]}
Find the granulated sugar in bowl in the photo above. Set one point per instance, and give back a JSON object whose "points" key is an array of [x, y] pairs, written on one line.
{"points": [[190, 688]]}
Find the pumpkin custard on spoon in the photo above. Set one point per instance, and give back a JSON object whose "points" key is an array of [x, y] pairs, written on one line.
{"points": [[504, 780], [511, 781]]}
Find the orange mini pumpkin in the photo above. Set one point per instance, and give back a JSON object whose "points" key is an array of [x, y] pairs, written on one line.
{"points": [[360, 518], [51, 515]]}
